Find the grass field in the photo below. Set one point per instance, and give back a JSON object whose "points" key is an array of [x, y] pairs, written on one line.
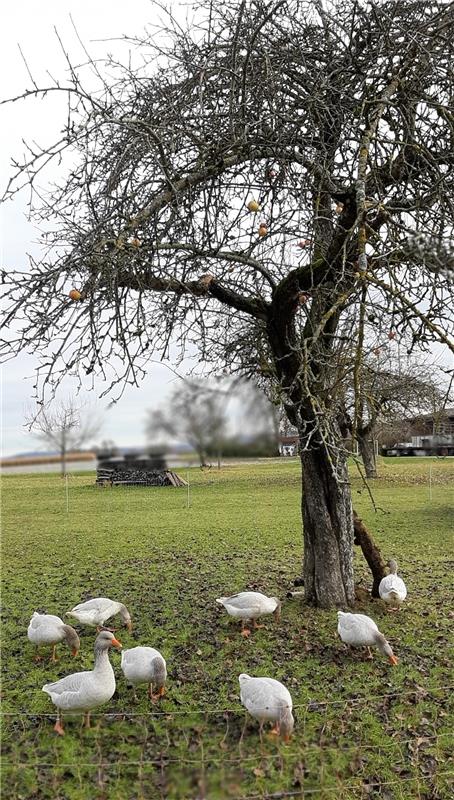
{"points": [[363, 729]]}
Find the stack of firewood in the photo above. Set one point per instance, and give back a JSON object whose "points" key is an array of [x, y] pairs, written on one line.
{"points": [[137, 477]]}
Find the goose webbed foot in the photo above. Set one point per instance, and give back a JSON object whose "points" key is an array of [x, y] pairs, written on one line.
{"points": [[58, 727]]}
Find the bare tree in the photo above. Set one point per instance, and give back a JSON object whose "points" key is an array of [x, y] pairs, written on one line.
{"points": [[64, 426], [260, 178], [392, 389], [258, 417], [196, 413]]}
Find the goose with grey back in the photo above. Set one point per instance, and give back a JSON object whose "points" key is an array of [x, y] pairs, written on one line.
{"points": [[145, 665], [392, 589], [248, 606], [47, 629], [358, 630], [268, 700], [83, 691], [97, 611]]}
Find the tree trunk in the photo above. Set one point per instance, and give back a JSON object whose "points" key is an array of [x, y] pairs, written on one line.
{"points": [[367, 450], [370, 551], [202, 457], [328, 530]]}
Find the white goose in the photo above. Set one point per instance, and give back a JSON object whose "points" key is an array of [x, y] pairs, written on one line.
{"points": [[145, 665], [358, 630], [83, 691], [49, 629], [249, 606], [97, 611], [392, 589], [268, 700]]}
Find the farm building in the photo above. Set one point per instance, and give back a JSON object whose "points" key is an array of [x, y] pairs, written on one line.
{"points": [[428, 435]]}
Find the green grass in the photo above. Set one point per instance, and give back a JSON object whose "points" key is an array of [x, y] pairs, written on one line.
{"points": [[358, 723]]}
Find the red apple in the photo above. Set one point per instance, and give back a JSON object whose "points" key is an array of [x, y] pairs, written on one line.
{"points": [[303, 297], [75, 294]]}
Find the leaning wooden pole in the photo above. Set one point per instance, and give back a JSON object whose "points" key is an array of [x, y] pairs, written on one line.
{"points": [[370, 551]]}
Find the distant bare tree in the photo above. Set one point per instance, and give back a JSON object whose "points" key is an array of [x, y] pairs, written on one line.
{"points": [[259, 177], [392, 389], [233, 415], [64, 426], [258, 416], [195, 413]]}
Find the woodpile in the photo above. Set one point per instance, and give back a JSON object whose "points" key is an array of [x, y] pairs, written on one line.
{"points": [[129, 476]]}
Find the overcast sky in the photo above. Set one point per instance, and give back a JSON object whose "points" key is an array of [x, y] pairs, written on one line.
{"points": [[31, 25]]}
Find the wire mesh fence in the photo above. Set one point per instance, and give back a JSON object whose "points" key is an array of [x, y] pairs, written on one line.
{"points": [[361, 746], [209, 753]]}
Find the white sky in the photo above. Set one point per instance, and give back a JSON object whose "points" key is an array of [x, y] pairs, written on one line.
{"points": [[30, 24]]}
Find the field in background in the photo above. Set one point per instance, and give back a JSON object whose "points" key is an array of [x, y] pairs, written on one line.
{"points": [[363, 728]]}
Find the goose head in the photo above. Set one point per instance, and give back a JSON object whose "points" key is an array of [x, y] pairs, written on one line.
{"points": [[392, 565], [159, 672], [72, 639], [286, 724], [278, 609], [126, 618], [104, 640], [386, 649]]}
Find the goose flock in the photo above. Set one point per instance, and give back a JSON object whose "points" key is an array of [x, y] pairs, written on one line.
{"points": [[264, 698]]}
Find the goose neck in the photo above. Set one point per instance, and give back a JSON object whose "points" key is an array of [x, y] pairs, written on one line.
{"points": [[102, 659]]}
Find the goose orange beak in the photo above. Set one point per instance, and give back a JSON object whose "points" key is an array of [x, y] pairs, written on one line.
{"points": [[116, 643], [393, 660]]}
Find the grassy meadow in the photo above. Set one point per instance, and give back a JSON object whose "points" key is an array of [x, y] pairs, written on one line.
{"points": [[363, 729]]}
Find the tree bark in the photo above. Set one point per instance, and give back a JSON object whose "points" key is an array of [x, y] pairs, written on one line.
{"points": [[367, 451], [370, 551], [328, 530]]}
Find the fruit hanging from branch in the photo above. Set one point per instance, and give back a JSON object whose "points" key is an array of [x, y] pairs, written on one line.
{"points": [[303, 297], [253, 206], [339, 208], [206, 279], [74, 294], [263, 230], [304, 243], [391, 335], [135, 242]]}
